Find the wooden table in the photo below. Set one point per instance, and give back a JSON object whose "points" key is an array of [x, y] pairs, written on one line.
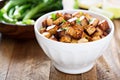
{"points": [[25, 60]]}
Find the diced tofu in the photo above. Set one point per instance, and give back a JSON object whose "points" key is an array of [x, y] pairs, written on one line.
{"points": [[52, 29], [95, 38], [67, 16], [91, 30], [53, 38], [46, 34], [42, 30], [103, 25], [64, 25], [88, 16], [83, 40], [49, 22], [44, 23], [58, 21], [59, 15], [84, 35], [70, 31], [98, 32], [83, 21], [74, 41], [66, 39], [77, 14], [94, 22]]}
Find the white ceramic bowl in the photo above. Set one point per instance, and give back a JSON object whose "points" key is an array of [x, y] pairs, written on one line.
{"points": [[73, 58]]}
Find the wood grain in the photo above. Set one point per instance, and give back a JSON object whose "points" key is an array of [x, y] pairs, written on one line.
{"points": [[28, 62], [6, 48]]}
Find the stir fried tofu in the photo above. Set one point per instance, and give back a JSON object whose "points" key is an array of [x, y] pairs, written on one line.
{"points": [[90, 30], [44, 23], [59, 15], [52, 29], [77, 14], [58, 21], [88, 16], [103, 25], [78, 27], [67, 16], [46, 34], [98, 32], [83, 21], [95, 38], [49, 22], [94, 22], [83, 40], [66, 39]]}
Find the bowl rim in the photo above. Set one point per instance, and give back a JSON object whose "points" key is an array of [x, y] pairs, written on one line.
{"points": [[75, 10]]}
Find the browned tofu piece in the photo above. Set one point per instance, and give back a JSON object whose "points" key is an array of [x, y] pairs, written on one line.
{"points": [[53, 38], [74, 40], [67, 16], [59, 15], [52, 29], [58, 21], [88, 16], [84, 35], [66, 38], [64, 25], [83, 40], [98, 32], [49, 21], [42, 30], [60, 34], [70, 31], [103, 25], [75, 33], [46, 34], [90, 30], [94, 22], [77, 14], [95, 38], [84, 21], [44, 23]]}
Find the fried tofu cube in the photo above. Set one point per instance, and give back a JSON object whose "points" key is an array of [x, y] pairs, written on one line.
{"points": [[75, 33], [58, 21], [49, 22], [77, 14], [83, 40], [94, 38], [46, 34], [42, 30], [64, 25], [74, 40], [53, 38], [90, 30], [44, 23], [52, 29], [94, 22], [83, 21], [103, 25], [98, 32], [59, 15], [88, 16], [84, 35], [66, 38], [67, 16]]}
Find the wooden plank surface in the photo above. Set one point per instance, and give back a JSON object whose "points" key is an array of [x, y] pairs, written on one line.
{"points": [[28, 62], [25, 60], [6, 48]]}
